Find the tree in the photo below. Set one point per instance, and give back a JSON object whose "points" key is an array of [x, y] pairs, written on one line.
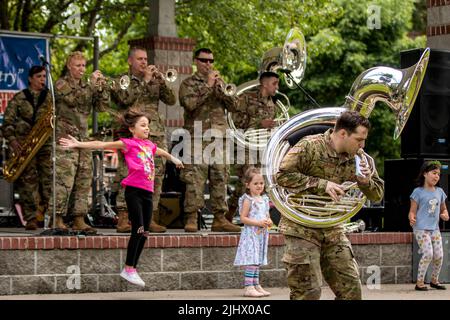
{"points": [[340, 44]]}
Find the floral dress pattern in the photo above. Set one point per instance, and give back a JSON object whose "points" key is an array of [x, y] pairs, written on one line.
{"points": [[253, 243]]}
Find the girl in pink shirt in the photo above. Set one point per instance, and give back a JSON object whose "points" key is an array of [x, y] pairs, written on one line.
{"points": [[139, 155]]}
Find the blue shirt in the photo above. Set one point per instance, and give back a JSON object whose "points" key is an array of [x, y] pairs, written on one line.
{"points": [[428, 207]]}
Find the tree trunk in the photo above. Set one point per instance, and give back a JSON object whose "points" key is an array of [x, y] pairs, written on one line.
{"points": [[4, 23]]}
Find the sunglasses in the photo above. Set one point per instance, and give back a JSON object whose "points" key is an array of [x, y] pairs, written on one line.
{"points": [[205, 60]]}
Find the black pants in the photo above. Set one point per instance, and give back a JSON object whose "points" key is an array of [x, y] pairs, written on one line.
{"points": [[139, 204]]}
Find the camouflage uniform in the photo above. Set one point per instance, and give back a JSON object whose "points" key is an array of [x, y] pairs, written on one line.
{"points": [[74, 103], [253, 108], [34, 184], [145, 96], [310, 252], [207, 105]]}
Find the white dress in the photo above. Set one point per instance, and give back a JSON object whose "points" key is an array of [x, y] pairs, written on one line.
{"points": [[253, 244]]}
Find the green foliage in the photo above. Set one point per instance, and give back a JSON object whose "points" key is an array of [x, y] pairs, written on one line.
{"points": [[340, 45]]}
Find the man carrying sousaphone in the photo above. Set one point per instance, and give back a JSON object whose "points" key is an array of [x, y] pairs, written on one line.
{"points": [[319, 164]]}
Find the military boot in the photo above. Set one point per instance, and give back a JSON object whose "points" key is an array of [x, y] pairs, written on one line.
{"points": [[154, 226], [59, 223], [191, 222], [80, 225], [122, 222], [231, 213], [31, 224], [221, 224]]}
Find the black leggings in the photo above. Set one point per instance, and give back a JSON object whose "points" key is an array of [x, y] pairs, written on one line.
{"points": [[139, 204]]}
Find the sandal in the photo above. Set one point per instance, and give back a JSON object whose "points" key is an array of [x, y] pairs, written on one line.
{"points": [[424, 288], [251, 292], [261, 290], [437, 286]]}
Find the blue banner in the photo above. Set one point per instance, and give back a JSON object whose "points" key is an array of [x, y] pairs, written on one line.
{"points": [[17, 55]]}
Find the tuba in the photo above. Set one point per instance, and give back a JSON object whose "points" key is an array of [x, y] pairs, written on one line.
{"points": [[397, 88], [38, 135], [290, 58]]}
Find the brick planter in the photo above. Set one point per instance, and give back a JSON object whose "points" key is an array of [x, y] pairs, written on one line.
{"points": [[30, 265]]}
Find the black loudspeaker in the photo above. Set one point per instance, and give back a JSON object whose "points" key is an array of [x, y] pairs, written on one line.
{"points": [[426, 132], [399, 177]]}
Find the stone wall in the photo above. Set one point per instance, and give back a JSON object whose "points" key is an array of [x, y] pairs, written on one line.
{"points": [[30, 265]]}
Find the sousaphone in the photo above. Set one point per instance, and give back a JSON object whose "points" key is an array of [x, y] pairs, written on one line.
{"points": [[397, 88], [291, 58]]}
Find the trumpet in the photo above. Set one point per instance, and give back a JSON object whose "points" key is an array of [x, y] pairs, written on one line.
{"points": [[103, 81], [171, 75], [228, 89]]}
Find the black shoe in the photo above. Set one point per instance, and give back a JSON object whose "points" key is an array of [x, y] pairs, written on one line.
{"points": [[438, 286], [421, 288]]}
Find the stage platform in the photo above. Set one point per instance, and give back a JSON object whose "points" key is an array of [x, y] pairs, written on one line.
{"points": [[175, 260]]}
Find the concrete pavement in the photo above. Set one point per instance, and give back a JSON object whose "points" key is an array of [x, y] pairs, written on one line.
{"points": [[386, 292]]}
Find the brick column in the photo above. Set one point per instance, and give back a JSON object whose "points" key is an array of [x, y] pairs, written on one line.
{"points": [[167, 51], [438, 24]]}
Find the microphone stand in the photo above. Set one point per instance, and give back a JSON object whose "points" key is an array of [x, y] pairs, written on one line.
{"points": [[52, 91], [311, 99]]}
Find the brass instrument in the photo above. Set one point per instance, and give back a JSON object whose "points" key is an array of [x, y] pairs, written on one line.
{"points": [[103, 81], [397, 88], [170, 75], [38, 135], [357, 226], [228, 89], [290, 58]]}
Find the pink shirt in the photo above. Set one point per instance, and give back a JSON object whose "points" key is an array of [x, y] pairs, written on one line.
{"points": [[139, 156]]}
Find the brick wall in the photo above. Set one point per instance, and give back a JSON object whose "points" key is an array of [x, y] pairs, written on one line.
{"points": [[438, 24], [170, 262]]}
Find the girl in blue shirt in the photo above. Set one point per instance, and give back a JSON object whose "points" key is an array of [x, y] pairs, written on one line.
{"points": [[427, 206]]}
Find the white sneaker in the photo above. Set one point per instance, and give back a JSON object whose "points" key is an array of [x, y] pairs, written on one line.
{"points": [[134, 278]]}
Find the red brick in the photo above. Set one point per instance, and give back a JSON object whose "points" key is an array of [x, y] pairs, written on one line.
{"points": [[89, 242], [113, 242], [159, 242], [6, 243], [14, 243], [39, 243], [49, 243], [82, 243], [204, 242], [105, 242], [97, 242], [151, 242], [57, 242], [197, 241], [123, 242], [65, 243], [226, 241], [23, 243], [234, 241], [166, 242], [189, 241]]}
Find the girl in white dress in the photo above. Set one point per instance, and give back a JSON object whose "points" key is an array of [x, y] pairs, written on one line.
{"points": [[253, 243]]}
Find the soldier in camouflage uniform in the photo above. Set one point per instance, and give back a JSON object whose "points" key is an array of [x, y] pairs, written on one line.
{"points": [[75, 99], [205, 102], [21, 115], [319, 164], [256, 111], [146, 88]]}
